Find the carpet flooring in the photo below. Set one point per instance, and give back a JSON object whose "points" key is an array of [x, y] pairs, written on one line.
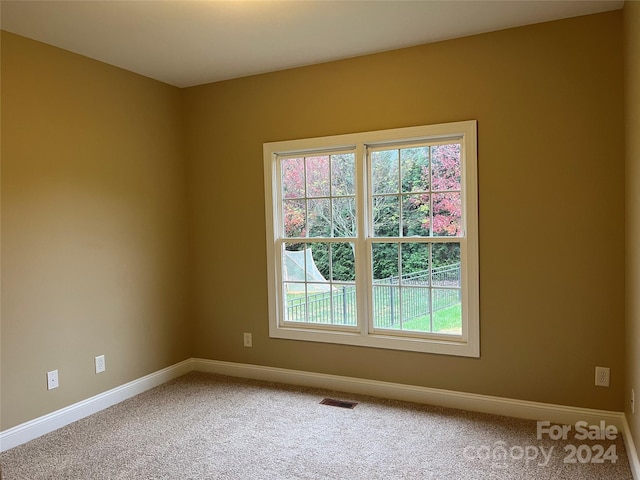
{"points": [[205, 426]]}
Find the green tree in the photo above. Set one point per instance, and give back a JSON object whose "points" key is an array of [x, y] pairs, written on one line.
{"points": [[415, 192]]}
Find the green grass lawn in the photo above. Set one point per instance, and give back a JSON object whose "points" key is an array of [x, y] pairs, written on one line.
{"points": [[446, 320]]}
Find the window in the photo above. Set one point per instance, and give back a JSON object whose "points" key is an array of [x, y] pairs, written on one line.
{"points": [[372, 239]]}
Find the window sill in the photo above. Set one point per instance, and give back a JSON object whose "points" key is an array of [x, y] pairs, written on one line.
{"points": [[438, 344]]}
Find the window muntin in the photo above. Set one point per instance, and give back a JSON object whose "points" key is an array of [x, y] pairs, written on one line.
{"points": [[416, 190], [318, 202], [318, 195], [417, 194], [315, 297], [385, 235], [417, 288]]}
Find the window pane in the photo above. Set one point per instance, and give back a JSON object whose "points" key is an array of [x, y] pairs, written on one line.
{"points": [[447, 214], [415, 264], [403, 303], [415, 169], [385, 262], [343, 174], [293, 264], [386, 306], [415, 215], [386, 216], [318, 265], [447, 311], [318, 176], [319, 217], [386, 309], [384, 171], [416, 303], [299, 265], [296, 303], [445, 163], [344, 305], [344, 217], [445, 271], [343, 263], [319, 307], [294, 213], [293, 178], [310, 295], [306, 288]]}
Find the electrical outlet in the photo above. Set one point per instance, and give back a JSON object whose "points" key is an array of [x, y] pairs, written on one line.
{"points": [[100, 364], [633, 401], [248, 341], [602, 376], [52, 380]]}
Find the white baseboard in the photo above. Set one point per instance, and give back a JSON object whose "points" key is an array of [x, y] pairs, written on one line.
{"points": [[632, 453], [35, 428], [432, 396], [447, 398]]}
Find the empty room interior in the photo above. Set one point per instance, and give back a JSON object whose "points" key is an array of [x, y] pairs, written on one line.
{"points": [[134, 220]]}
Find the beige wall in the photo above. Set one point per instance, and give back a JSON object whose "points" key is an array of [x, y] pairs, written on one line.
{"points": [[95, 207], [632, 119], [93, 227], [549, 104]]}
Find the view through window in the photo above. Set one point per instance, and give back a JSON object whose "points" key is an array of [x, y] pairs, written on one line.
{"points": [[372, 239]]}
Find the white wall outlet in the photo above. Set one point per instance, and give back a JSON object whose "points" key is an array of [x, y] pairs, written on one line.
{"points": [[602, 376], [248, 340], [101, 366], [52, 380], [633, 401]]}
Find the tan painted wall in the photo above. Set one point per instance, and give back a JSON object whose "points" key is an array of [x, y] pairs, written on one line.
{"points": [[632, 123], [93, 227], [549, 103], [94, 212]]}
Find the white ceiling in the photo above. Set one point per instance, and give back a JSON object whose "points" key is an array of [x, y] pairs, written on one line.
{"points": [[186, 43]]}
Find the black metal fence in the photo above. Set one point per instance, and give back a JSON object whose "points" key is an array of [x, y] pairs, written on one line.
{"points": [[422, 293]]}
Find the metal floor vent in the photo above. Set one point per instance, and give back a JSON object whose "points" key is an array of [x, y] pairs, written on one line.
{"points": [[338, 403]]}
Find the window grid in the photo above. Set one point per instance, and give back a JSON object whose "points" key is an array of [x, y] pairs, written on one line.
{"points": [[400, 311], [464, 341]]}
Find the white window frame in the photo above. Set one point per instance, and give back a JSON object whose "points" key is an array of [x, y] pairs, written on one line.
{"points": [[467, 344]]}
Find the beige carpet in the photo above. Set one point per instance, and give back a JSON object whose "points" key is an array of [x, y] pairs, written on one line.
{"points": [[204, 426]]}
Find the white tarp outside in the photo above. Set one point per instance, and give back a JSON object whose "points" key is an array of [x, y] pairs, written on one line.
{"points": [[294, 271]]}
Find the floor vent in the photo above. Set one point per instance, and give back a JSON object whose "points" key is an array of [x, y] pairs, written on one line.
{"points": [[338, 403]]}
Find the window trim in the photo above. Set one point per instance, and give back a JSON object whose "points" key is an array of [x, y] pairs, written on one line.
{"points": [[466, 132]]}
